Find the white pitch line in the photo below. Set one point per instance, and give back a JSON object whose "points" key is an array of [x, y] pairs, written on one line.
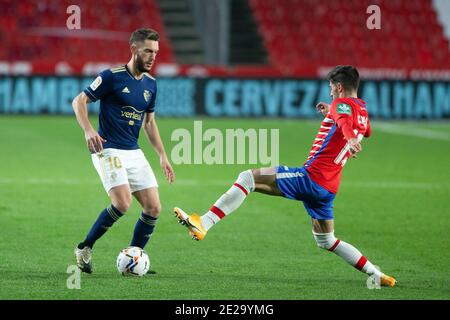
{"points": [[411, 131], [396, 185], [47, 181], [356, 184], [225, 183]]}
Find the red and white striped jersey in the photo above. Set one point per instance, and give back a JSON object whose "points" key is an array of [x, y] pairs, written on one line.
{"points": [[346, 119]]}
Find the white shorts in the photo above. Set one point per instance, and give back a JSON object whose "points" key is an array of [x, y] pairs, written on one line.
{"points": [[118, 167]]}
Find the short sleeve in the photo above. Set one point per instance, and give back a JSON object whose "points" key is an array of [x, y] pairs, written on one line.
{"points": [[341, 112], [340, 108], [101, 86], [151, 106]]}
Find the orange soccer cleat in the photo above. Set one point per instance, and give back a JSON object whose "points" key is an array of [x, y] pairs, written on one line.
{"points": [[387, 281], [192, 222]]}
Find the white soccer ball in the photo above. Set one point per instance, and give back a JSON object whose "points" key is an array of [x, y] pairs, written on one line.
{"points": [[133, 261]]}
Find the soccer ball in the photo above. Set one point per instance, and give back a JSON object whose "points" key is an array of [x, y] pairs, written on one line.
{"points": [[133, 261]]}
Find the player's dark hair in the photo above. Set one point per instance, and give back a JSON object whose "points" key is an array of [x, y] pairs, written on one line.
{"points": [[348, 76], [140, 35]]}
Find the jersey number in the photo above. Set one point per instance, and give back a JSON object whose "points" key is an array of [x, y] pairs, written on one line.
{"points": [[114, 162], [342, 157], [362, 121]]}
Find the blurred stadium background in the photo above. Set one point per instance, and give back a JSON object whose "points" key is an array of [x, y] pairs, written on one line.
{"points": [[406, 63], [235, 64]]}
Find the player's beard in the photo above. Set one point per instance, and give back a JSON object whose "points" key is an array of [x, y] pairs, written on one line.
{"points": [[334, 94], [140, 64]]}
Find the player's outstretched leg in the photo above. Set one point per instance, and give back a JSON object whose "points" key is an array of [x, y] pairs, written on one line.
{"points": [[231, 200], [327, 241], [83, 252], [261, 180]]}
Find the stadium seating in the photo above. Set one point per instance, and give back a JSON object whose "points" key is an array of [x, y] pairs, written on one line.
{"points": [[36, 31], [301, 34]]}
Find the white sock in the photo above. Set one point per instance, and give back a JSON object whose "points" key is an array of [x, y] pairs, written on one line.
{"points": [[347, 252], [354, 257], [230, 200], [207, 221]]}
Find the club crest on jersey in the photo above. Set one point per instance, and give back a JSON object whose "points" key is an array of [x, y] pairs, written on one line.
{"points": [[343, 108], [94, 85], [147, 95]]}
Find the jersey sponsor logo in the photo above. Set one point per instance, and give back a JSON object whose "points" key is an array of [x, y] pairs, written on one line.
{"points": [[343, 108], [147, 95], [126, 90], [132, 108], [96, 83], [132, 115]]}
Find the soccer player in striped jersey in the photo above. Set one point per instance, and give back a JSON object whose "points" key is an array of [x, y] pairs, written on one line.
{"points": [[316, 183], [127, 97]]}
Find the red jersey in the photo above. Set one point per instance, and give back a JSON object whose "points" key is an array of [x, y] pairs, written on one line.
{"points": [[347, 118]]}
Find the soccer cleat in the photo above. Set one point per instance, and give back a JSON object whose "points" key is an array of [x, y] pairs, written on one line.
{"points": [[84, 259], [192, 222], [387, 281]]}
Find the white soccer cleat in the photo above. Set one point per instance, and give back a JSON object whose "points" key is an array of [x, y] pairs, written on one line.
{"points": [[84, 259]]}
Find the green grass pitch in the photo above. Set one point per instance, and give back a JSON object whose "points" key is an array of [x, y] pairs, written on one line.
{"points": [[393, 205]]}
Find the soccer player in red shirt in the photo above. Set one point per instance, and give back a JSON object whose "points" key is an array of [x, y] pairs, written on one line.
{"points": [[316, 183]]}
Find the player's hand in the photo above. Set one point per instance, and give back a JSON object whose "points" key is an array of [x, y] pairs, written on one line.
{"points": [[167, 168], [94, 141], [323, 108], [355, 147]]}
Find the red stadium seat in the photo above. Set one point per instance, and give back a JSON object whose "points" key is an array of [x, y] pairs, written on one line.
{"points": [[334, 32], [36, 32]]}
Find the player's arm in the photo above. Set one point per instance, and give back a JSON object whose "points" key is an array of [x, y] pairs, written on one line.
{"points": [[323, 108], [152, 132], [93, 140], [346, 125]]}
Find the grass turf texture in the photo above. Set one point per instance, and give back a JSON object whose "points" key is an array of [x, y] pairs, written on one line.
{"points": [[392, 205]]}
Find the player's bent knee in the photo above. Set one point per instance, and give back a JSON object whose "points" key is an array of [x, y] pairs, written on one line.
{"points": [[325, 240], [120, 198], [122, 205], [246, 179], [153, 210], [247, 174], [264, 175]]}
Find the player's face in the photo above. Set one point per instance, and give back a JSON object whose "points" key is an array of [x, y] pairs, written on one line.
{"points": [[335, 90], [146, 54]]}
